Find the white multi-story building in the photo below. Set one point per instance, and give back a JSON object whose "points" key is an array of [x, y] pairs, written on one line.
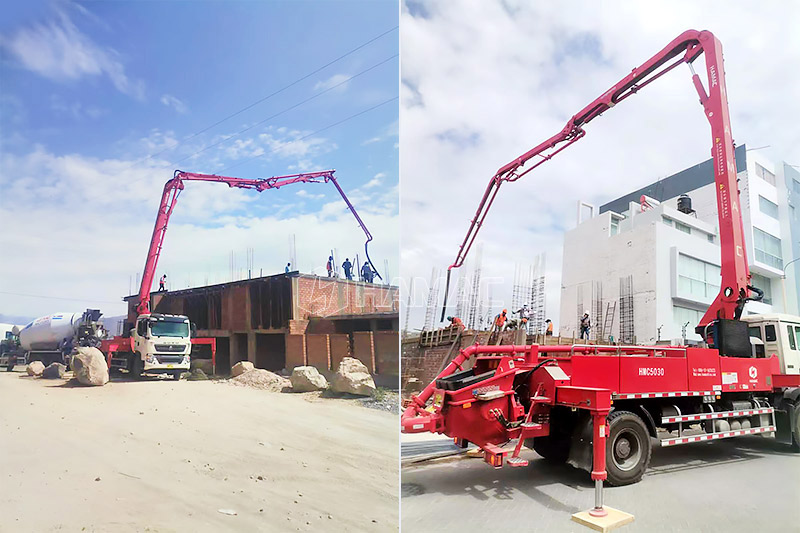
{"points": [[643, 272]]}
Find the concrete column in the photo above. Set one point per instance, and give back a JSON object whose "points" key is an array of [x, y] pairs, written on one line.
{"points": [[251, 347]]}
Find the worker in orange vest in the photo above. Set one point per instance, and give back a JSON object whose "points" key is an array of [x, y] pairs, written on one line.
{"points": [[549, 331], [500, 320], [455, 321]]}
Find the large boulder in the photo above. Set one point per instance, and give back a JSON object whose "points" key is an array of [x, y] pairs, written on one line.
{"points": [[54, 371], [202, 364], [89, 366], [35, 368], [307, 379], [353, 377], [241, 367]]}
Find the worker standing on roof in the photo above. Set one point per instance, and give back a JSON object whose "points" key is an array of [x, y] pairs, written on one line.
{"points": [[500, 320], [162, 282], [524, 313], [549, 331], [586, 325], [348, 267], [366, 273], [330, 266], [286, 270]]}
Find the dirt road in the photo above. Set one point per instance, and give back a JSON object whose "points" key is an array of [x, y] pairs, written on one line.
{"points": [[165, 456]]}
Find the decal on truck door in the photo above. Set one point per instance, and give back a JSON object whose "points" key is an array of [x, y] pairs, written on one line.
{"points": [[729, 378]]}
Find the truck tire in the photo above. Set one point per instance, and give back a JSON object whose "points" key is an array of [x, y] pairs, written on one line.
{"points": [[795, 447], [553, 449], [628, 448], [137, 366]]}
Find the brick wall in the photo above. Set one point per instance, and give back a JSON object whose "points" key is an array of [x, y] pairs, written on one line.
{"points": [[324, 297], [387, 352], [363, 349], [295, 351], [340, 348], [317, 351]]}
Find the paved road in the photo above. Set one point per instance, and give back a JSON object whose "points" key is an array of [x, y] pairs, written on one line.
{"points": [[743, 484]]}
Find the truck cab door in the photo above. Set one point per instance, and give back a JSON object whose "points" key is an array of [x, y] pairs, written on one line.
{"points": [[139, 335], [790, 355]]}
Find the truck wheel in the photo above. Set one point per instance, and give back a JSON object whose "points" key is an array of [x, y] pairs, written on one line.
{"points": [[9, 368], [137, 366], [552, 449], [796, 429], [628, 448]]}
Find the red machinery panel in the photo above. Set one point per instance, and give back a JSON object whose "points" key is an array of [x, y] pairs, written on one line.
{"points": [[600, 371], [703, 369], [744, 373], [652, 374]]}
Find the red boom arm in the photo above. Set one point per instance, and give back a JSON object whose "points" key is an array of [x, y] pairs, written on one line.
{"points": [[686, 48], [173, 188]]}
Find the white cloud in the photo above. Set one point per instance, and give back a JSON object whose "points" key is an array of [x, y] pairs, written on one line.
{"points": [[305, 194], [93, 218], [375, 181], [58, 50], [170, 101], [483, 82], [337, 80]]}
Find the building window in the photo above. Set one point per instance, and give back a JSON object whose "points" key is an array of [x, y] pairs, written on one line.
{"points": [[683, 227], [767, 248], [796, 185], [614, 225], [667, 221], [763, 283], [768, 208], [765, 174], [697, 279], [682, 315]]}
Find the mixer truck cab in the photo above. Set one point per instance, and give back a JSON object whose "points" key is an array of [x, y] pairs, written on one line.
{"points": [[779, 334], [161, 344]]}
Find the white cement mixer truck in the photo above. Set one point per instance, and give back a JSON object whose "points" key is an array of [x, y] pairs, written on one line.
{"points": [[51, 338]]}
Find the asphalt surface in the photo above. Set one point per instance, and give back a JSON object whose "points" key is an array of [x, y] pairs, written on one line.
{"points": [[740, 484]]}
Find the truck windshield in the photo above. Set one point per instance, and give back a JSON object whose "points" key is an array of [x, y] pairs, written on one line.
{"points": [[162, 328]]}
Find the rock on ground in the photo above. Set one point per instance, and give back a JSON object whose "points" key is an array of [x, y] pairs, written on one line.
{"points": [[197, 374], [35, 368], [89, 366], [54, 371], [241, 367], [307, 379], [202, 364], [261, 379], [353, 377]]}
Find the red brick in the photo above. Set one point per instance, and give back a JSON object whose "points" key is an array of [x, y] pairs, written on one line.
{"points": [[318, 351], [295, 351], [364, 349], [340, 348]]}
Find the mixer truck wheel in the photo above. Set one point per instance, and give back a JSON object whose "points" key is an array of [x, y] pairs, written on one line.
{"points": [[628, 448]]}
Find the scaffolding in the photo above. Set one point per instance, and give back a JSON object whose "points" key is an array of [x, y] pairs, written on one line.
{"points": [[597, 310], [433, 300], [538, 300], [408, 307], [475, 303], [626, 331]]}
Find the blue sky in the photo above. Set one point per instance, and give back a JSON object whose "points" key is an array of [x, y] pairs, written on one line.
{"points": [[89, 90]]}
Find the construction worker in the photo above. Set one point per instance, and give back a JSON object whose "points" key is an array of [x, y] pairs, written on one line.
{"points": [[549, 331], [366, 273], [524, 313], [162, 283], [500, 320], [586, 325], [286, 270], [455, 321], [330, 266], [348, 266]]}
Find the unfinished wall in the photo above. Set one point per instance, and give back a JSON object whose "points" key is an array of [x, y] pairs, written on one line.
{"points": [[317, 351], [295, 351], [340, 348], [387, 352], [364, 350], [322, 297]]}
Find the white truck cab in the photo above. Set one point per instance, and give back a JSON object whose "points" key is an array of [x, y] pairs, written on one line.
{"points": [[780, 335], [162, 344]]}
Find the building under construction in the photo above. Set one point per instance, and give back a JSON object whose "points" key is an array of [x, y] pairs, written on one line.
{"points": [[286, 320]]}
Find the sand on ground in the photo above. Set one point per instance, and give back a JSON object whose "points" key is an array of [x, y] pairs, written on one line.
{"points": [[158, 455]]}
